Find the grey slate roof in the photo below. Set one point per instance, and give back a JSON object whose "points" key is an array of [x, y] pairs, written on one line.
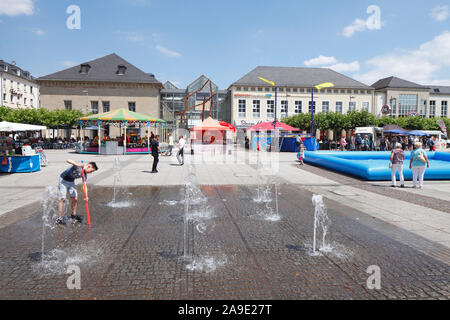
{"points": [[298, 77], [12, 69], [104, 70], [440, 89], [394, 82]]}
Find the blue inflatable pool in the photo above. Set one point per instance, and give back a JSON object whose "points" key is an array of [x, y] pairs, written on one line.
{"points": [[374, 166]]}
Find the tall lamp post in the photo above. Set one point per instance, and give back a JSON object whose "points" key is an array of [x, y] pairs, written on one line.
{"points": [[313, 109], [275, 121]]}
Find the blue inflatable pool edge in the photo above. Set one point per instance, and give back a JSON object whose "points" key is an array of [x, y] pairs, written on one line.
{"points": [[374, 166]]}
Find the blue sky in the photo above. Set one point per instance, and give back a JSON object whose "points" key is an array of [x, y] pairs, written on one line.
{"points": [[180, 40]]}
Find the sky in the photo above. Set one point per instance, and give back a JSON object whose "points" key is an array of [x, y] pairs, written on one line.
{"points": [[179, 40]]}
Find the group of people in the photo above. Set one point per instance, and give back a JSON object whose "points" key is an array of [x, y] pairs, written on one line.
{"points": [[418, 164], [156, 150], [407, 143]]}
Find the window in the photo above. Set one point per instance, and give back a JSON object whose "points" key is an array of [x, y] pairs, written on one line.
{"points": [[256, 108], [365, 106], [351, 106], [84, 68], [339, 107], [121, 69], [284, 109], [106, 106], [270, 108], [68, 104], [432, 109], [25, 101], [132, 106], [423, 108], [325, 106], [309, 107], [12, 98], [407, 103], [444, 109], [394, 107], [94, 106], [4, 97], [242, 108], [31, 89], [260, 89], [298, 107]]}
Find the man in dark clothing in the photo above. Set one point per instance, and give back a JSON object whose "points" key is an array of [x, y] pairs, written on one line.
{"points": [[358, 142], [155, 153]]}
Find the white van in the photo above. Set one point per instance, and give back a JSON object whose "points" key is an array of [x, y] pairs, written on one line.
{"points": [[441, 140]]}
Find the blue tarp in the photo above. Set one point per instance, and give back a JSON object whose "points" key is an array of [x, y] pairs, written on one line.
{"points": [[21, 164]]}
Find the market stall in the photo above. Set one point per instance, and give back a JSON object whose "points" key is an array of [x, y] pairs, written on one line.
{"points": [[263, 133], [130, 123], [211, 137], [17, 156]]}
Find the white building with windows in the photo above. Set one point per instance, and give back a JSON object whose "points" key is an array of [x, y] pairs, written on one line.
{"points": [[18, 88], [439, 101], [405, 98], [253, 100]]}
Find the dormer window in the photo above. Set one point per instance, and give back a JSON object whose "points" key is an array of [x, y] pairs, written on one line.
{"points": [[85, 68], [437, 90], [121, 70]]}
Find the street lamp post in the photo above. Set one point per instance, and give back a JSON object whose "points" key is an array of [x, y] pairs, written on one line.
{"points": [[276, 105]]}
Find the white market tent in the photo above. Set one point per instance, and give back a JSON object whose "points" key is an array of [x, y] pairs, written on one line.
{"points": [[19, 127]]}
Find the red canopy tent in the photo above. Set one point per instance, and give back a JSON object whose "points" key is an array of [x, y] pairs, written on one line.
{"points": [[211, 131], [269, 126]]}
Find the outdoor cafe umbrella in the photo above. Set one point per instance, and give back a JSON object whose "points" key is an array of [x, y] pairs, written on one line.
{"points": [[418, 133]]}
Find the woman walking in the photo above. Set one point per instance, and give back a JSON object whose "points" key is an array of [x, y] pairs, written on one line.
{"points": [[397, 158], [417, 163]]}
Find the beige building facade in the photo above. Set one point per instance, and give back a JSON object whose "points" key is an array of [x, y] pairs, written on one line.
{"points": [[104, 89], [18, 88]]}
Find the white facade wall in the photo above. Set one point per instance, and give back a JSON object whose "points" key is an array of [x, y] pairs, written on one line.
{"points": [[439, 99], [264, 94], [18, 92]]}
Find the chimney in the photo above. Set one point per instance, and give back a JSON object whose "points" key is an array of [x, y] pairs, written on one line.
{"points": [[13, 63]]}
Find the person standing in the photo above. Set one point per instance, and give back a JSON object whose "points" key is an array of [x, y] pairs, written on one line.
{"points": [[358, 142], [397, 158], [343, 143], [419, 160], [155, 153], [180, 155], [169, 151]]}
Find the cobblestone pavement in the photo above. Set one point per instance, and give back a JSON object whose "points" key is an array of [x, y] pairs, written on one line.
{"points": [[137, 252]]}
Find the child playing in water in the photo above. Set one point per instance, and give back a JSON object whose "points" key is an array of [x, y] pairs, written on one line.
{"points": [[301, 154], [67, 184]]}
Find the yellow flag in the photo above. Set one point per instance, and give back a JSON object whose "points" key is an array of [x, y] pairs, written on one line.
{"points": [[324, 85], [265, 80]]}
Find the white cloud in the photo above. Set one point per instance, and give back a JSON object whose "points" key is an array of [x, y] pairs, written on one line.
{"points": [[167, 52], [38, 32], [373, 22], [346, 67], [440, 13], [16, 7], [442, 82], [320, 61], [133, 36], [418, 65], [358, 25], [333, 63]]}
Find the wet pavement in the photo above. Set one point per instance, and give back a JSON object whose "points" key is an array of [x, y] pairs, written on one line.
{"points": [[137, 252]]}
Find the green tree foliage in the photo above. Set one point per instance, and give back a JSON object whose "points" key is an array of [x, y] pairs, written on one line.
{"points": [[41, 116], [353, 119]]}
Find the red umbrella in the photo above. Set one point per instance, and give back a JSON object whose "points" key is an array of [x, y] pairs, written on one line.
{"points": [[269, 126]]}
